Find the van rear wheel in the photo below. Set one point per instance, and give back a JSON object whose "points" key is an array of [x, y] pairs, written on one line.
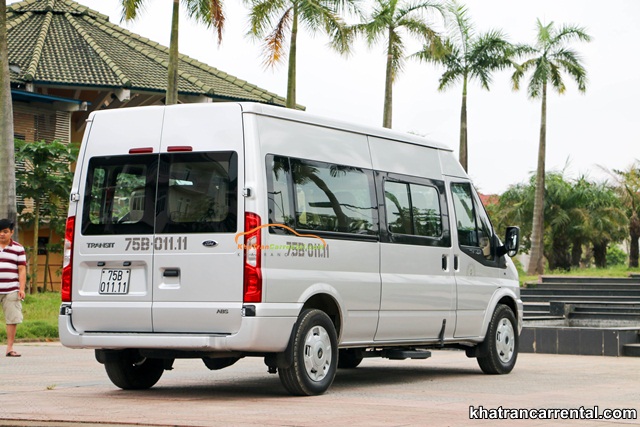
{"points": [[500, 347], [130, 373], [314, 355]]}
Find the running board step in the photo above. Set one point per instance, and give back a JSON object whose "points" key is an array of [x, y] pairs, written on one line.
{"points": [[394, 354]]}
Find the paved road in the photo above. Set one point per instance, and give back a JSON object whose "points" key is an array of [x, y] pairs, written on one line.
{"points": [[55, 386]]}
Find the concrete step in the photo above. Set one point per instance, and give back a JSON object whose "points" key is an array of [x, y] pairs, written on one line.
{"points": [[607, 308], [629, 317], [535, 306], [542, 317], [579, 279], [599, 291], [584, 286], [631, 350], [578, 340], [605, 298]]}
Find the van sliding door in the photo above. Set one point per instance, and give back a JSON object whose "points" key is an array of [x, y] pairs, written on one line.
{"points": [[418, 287]]}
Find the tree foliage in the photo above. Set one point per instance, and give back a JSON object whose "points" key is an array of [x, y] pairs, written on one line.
{"points": [[390, 21], [208, 12], [582, 219], [276, 20], [466, 56], [546, 61], [629, 192], [44, 182]]}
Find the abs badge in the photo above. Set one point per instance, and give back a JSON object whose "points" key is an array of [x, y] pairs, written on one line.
{"points": [[209, 243]]}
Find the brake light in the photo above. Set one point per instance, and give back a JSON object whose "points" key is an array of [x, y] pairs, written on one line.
{"points": [[65, 288], [141, 150], [252, 259]]}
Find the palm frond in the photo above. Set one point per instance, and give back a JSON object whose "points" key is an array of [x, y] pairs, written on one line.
{"points": [[556, 78], [460, 28], [274, 42], [265, 13], [130, 9], [568, 33], [396, 50], [208, 12]]}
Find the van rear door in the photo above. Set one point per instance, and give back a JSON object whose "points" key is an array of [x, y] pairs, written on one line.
{"points": [[113, 258], [198, 269]]}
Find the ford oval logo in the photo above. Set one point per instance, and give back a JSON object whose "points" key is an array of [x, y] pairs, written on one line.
{"points": [[209, 243]]}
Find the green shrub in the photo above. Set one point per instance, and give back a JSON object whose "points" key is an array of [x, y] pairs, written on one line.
{"points": [[616, 256]]}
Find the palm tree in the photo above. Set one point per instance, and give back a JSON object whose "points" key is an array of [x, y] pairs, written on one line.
{"points": [[208, 12], [550, 56], [467, 56], [8, 207], [388, 21], [628, 186], [275, 20]]}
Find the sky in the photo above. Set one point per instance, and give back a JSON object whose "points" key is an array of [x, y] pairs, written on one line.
{"points": [[587, 134]]}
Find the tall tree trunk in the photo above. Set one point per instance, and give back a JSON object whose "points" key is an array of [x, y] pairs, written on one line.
{"points": [[600, 254], [536, 263], [47, 277], [33, 283], [172, 80], [463, 126], [388, 86], [7, 150], [576, 253], [293, 53], [634, 235]]}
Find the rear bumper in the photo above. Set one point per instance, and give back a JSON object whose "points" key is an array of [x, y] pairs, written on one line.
{"points": [[256, 334]]}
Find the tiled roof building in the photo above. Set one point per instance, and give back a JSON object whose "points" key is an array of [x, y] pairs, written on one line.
{"points": [[62, 49]]}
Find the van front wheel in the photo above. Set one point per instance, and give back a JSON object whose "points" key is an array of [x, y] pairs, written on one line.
{"points": [[314, 355], [130, 374], [500, 347]]}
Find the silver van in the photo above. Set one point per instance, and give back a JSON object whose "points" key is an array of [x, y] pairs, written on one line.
{"points": [[227, 230]]}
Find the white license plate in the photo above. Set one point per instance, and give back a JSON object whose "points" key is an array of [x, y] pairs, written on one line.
{"points": [[114, 281]]}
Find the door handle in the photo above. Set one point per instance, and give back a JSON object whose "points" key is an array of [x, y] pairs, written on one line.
{"points": [[455, 262], [171, 272], [445, 262]]}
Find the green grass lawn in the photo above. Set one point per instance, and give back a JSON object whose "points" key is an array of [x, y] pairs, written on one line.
{"points": [[40, 318]]}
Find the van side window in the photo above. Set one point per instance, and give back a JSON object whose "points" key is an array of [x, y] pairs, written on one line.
{"points": [[321, 196], [198, 192], [119, 195], [415, 211], [474, 229]]}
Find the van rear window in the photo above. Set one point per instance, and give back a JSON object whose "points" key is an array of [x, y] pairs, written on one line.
{"points": [[119, 195], [167, 193]]}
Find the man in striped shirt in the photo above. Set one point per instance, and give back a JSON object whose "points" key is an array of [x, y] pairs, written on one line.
{"points": [[13, 278]]}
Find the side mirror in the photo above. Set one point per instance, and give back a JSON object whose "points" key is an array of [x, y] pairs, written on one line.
{"points": [[512, 241]]}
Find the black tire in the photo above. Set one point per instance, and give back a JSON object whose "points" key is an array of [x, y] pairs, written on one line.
{"points": [[500, 346], [314, 355], [349, 358], [131, 374]]}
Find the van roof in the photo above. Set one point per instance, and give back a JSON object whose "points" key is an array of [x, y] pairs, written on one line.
{"points": [[304, 117]]}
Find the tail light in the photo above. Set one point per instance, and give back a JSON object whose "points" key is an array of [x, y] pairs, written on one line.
{"points": [[252, 259], [65, 288]]}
